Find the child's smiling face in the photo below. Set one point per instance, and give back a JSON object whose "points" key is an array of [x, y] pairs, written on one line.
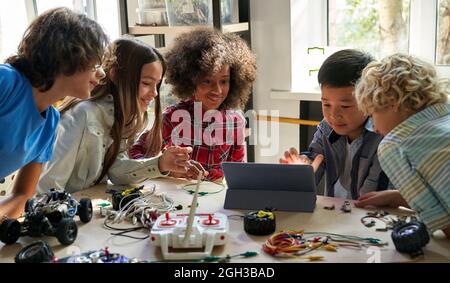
{"points": [[341, 112], [212, 90], [151, 76]]}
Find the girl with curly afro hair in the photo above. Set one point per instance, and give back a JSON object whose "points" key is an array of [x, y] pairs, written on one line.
{"points": [[211, 73]]}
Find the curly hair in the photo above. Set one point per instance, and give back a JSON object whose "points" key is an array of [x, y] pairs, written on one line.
{"points": [[204, 51], [402, 80], [59, 41]]}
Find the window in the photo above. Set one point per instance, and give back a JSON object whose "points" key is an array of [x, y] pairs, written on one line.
{"points": [[167, 98], [107, 15], [15, 17], [321, 27], [105, 12], [443, 33], [13, 22], [81, 6], [380, 27]]}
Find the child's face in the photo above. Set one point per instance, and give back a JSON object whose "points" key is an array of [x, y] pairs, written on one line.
{"points": [[151, 76], [341, 112], [212, 90], [82, 83], [386, 119]]}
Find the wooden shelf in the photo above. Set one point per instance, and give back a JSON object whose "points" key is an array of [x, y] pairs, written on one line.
{"points": [[148, 30], [235, 27]]}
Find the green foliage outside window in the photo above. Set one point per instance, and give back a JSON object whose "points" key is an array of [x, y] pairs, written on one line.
{"points": [[377, 26], [443, 34]]}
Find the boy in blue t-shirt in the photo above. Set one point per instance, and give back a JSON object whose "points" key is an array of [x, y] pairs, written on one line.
{"points": [[345, 144], [58, 57]]}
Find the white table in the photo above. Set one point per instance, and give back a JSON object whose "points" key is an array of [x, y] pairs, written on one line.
{"points": [[92, 236]]}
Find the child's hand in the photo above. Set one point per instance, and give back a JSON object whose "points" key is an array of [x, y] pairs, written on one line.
{"points": [[293, 157], [390, 198], [193, 170], [175, 159], [12, 207]]}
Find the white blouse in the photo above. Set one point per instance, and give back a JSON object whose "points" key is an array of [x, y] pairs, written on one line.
{"points": [[83, 136]]}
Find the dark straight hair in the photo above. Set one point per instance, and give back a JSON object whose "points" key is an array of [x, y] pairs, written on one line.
{"points": [[343, 68]]}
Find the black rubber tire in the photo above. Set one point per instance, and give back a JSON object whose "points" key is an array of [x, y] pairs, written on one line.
{"points": [[85, 210], [410, 237], [67, 231], [10, 231], [29, 205], [254, 225], [37, 252]]}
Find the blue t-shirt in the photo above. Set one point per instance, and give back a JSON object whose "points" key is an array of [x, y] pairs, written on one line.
{"points": [[25, 134]]}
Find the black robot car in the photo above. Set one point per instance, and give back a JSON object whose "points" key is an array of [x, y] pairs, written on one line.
{"points": [[49, 214]]}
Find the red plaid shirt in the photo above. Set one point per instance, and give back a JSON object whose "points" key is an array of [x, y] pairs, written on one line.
{"points": [[214, 138]]}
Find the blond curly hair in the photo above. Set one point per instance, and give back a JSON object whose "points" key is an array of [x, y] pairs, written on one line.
{"points": [[403, 81]]}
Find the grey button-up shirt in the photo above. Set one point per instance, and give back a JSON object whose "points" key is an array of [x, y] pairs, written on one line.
{"points": [[80, 147], [366, 173]]}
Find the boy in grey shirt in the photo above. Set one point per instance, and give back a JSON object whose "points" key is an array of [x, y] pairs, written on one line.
{"points": [[345, 144]]}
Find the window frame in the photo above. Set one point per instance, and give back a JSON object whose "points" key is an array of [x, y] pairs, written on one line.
{"points": [[91, 10], [425, 25], [437, 34], [423, 32]]}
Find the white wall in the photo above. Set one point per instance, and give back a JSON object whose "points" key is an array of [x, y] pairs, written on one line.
{"points": [[271, 41], [422, 41]]}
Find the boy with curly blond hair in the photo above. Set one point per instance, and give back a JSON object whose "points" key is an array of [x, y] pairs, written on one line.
{"points": [[408, 104]]}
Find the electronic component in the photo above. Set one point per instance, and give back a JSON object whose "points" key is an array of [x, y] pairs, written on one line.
{"points": [[144, 208], [100, 256], [105, 209], [346, 207], [260, 223], [120, 199], [331, 207], [207, 231], [369, 220], [49, 214], [193, 231], [36, 252], [410, 237], [40, 252], [297, 243]]}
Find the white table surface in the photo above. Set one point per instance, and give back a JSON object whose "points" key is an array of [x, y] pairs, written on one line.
{"points": [[93, 236]]}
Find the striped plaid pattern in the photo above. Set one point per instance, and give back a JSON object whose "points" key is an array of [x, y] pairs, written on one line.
{"points": [[416, 157], [212, 142]]}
